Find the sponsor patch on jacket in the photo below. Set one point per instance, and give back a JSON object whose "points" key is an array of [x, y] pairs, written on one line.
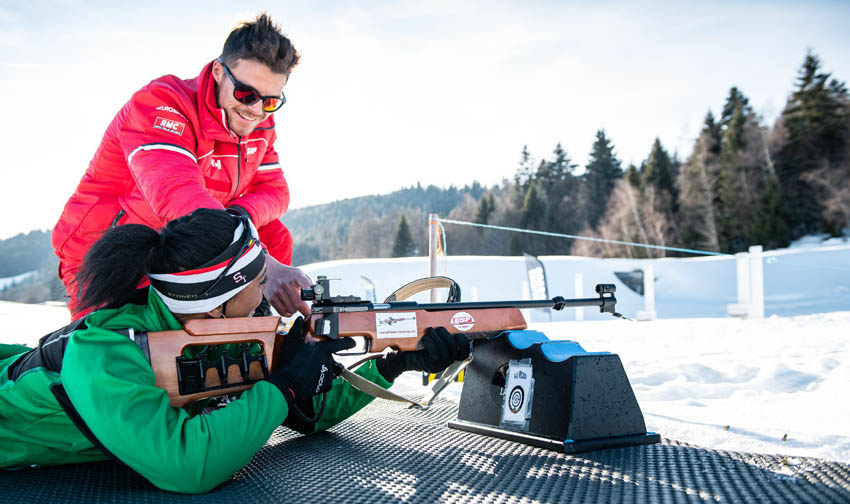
{"points": [[169, 125], [166, 108]]}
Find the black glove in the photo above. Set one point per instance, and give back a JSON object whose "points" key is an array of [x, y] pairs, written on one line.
{"points": [[441, 349], [306, 369]]}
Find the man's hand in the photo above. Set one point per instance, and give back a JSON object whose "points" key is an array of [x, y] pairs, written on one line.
{"points": [[283, 287]]}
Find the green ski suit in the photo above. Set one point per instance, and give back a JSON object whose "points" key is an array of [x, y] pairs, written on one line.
{"points": [[110, 384]]}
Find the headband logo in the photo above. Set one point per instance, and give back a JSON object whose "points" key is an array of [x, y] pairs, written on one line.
{"points": [[239, 277]]}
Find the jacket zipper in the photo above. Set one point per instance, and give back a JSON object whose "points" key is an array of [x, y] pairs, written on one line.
{"points": [[238, 167], [117, 218]]}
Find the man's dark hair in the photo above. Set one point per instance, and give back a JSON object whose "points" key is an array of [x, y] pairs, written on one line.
{"points": [[260, 40]]}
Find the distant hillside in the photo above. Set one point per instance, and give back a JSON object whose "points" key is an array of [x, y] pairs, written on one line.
{"points": [[322, 232], [25, 252], [30, 258]]}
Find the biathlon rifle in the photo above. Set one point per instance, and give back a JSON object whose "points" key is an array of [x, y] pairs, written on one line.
{"points": [[398, 325]]}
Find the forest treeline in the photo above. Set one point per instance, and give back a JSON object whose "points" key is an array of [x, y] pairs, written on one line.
{"points": [[744, 183]]}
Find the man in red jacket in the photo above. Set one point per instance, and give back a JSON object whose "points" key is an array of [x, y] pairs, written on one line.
{"points": [[178, 145]]}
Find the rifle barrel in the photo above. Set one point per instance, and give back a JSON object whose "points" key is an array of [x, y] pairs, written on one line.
{"points": [[560, 303]]}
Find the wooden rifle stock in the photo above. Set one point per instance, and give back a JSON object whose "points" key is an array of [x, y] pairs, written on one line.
{"points": [[398, 325], [208, 378], [166, 350]]}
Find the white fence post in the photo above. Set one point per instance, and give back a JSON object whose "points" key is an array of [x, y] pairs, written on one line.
{"points": [[756, 282], [750, 274], [648, 312], [433, 237], [579, 280], [742, 274]]}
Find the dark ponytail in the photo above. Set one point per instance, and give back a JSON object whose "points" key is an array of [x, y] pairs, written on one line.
{"points": [[118, 261]]}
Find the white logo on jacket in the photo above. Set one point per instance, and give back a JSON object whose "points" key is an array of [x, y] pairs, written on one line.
{"points": [[166, 108]]}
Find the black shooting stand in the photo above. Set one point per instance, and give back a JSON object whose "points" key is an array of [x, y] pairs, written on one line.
{"points": [[523, 387]]}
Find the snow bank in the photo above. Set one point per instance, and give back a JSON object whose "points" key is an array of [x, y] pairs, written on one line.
{"points": [[775, 386]]}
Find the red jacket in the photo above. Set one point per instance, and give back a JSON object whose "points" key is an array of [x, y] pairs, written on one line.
{"points": [[167, 152]]}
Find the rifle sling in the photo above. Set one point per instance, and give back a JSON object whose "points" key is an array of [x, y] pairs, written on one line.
{"points": [[370, 388]]}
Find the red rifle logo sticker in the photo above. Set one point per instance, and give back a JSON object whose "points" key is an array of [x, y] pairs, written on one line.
{"points": [[462, 321], [169, 125]]}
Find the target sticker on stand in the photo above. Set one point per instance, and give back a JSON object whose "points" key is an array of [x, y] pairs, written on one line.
{"points": [[516, 399], [518, 392]]}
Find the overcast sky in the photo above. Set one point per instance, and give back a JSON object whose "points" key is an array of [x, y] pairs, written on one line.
{"points": [[389, 94]]}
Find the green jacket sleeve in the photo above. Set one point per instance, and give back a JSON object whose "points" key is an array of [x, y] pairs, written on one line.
{"points": [[111, 385], [7, 350]]}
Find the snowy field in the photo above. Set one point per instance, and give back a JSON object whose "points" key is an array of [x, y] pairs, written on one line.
{"points": [[773, 386], [777, 386], [742, 385]]}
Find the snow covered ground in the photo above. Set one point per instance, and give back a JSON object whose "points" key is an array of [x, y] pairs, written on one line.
{"points": [[773, 386], [722, 383], [778, 385]]}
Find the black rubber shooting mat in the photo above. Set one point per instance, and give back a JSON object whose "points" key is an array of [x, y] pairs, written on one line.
{"points": [[387, 453]]}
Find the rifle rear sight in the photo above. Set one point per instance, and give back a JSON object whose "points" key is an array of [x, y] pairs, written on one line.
{"points": [[320, 293]]}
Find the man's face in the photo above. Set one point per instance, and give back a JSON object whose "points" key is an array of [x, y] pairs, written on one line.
{"points": [[241, 118]]}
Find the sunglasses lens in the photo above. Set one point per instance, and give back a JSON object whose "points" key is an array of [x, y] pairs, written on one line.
{"points": [[272, 104], [245, 95]]}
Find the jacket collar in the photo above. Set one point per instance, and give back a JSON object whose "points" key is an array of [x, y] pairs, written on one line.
{"points": [[152, 316], [213, 119], [156, 314]]}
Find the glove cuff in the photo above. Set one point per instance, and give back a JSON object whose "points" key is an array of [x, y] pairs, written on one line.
{"points": [[283, 386]]}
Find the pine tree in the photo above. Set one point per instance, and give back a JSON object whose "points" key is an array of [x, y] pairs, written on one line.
{"points": [[534, 207], [658, 171], [697, 220], [633, 176], [525, 173], [711, 128], [563, 210], [769, 226], [735, 185], [403, 245], [736, 102], [815, 123], [600, 175], [485, 208], [561, 168]]}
